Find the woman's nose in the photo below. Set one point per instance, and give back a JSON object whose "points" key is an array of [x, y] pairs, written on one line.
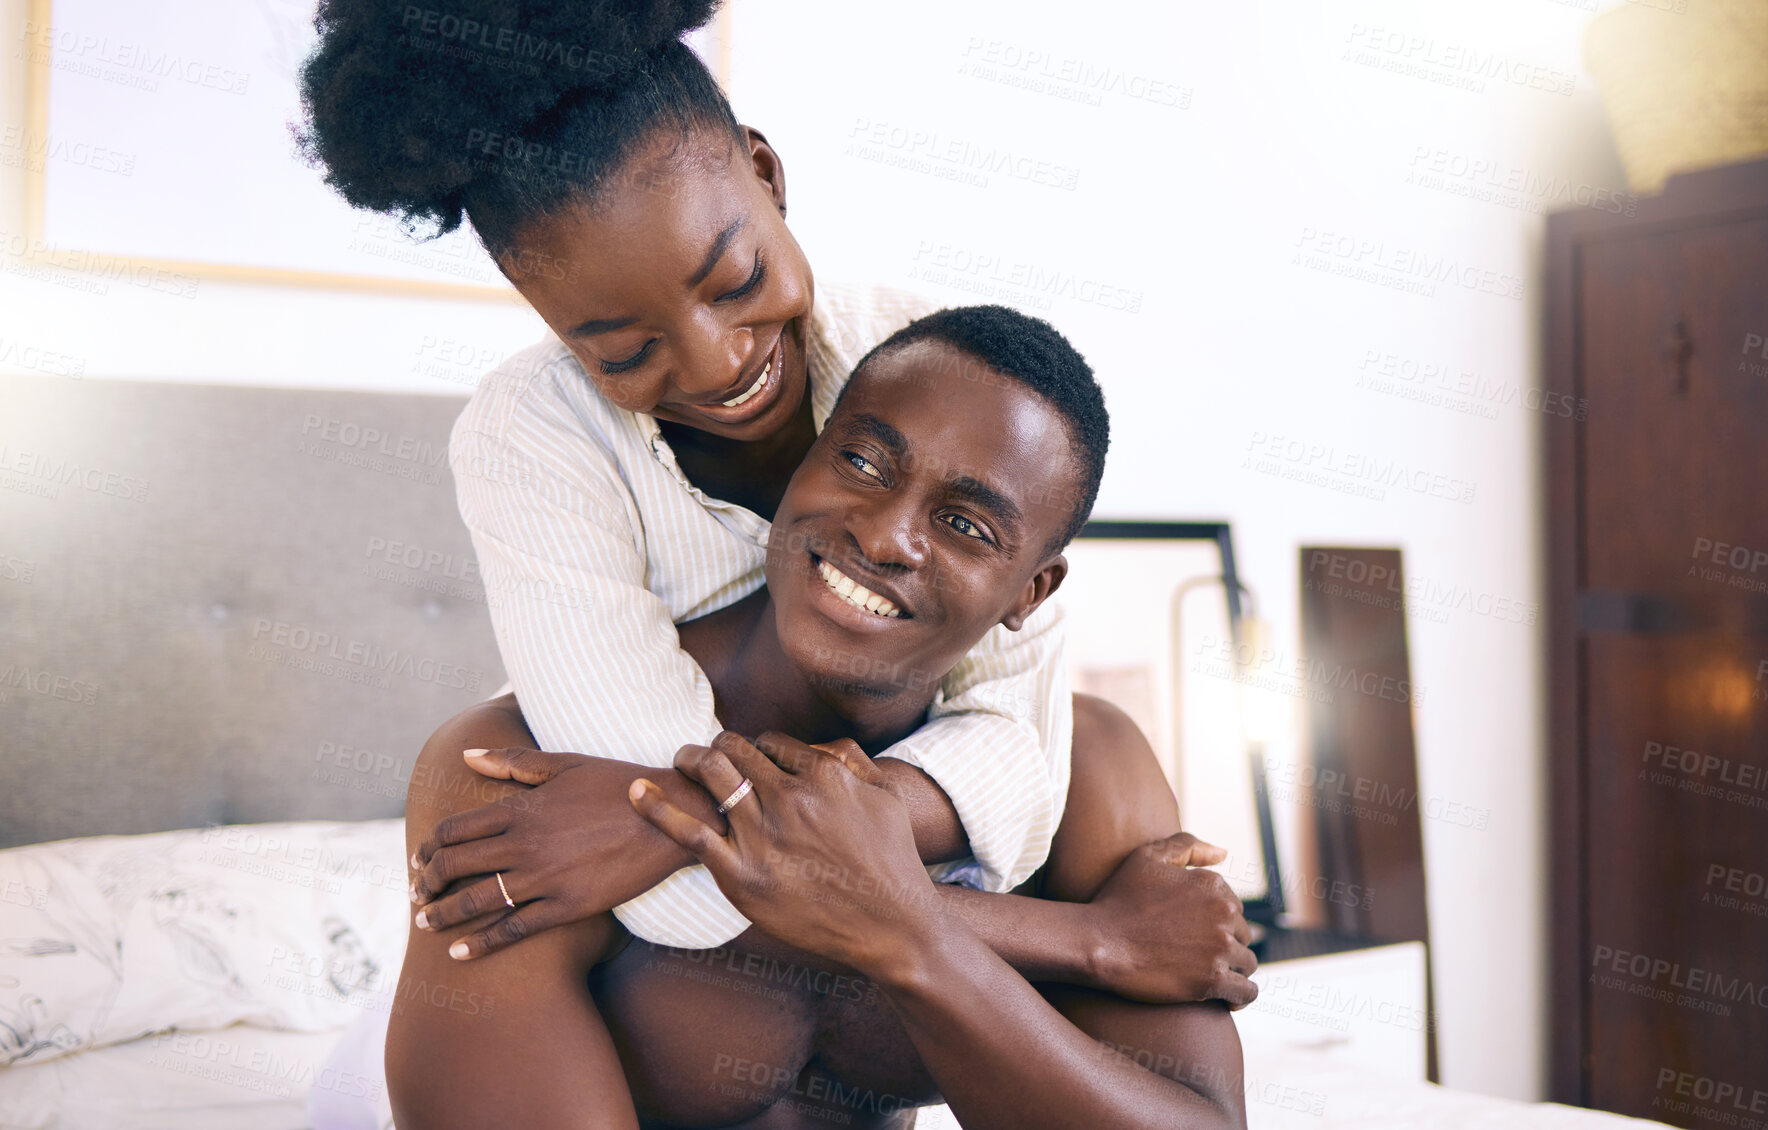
{"points": [[713, 360]]}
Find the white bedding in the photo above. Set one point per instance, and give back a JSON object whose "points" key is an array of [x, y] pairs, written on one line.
{"points": [[258, 942], [244, 1078], [238, 1078]]}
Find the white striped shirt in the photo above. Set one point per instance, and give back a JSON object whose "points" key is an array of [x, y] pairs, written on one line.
{"points": [[593, 545]]}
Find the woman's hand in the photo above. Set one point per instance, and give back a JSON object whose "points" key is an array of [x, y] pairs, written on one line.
{"points": [[571, 849], [1167, 932], [815, 855]]}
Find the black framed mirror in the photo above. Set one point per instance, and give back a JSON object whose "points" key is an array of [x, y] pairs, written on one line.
{"points": [[1157, 626]]}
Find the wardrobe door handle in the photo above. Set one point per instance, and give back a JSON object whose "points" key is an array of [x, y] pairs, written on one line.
{"points": [[1677, 348]]}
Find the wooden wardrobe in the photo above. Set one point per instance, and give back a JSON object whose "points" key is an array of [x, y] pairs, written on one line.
{"points": [[1656, 443]]}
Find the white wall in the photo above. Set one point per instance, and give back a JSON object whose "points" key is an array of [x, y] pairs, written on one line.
{"points": [[1227, 230], [207, 330], [1221, 154]]}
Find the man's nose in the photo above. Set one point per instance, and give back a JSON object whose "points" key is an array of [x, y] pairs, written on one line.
{"points": [[713, 359], [888, 532]]}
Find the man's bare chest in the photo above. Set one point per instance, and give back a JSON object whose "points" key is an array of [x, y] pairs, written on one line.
{"points": [[759, 1035]]}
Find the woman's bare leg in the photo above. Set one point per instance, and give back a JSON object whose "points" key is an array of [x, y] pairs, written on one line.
{"points": [[512, 1038]]}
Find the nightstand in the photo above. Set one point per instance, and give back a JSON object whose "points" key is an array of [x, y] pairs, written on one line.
{"points": [[1365, 1004]]}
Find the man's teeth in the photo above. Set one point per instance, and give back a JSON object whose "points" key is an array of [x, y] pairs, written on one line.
{"points": [[857, 595], [754, 388]]}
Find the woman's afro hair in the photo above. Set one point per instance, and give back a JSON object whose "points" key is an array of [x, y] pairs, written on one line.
{"points": [[500, 109]]}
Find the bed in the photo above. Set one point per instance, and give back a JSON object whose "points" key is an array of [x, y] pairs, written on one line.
{"points": [[233, 617], [203, 978]]}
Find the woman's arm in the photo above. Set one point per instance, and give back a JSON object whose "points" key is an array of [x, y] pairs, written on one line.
{"points": [[998, 742], [592, 652], [1149, 931], [823, 861], [577, 848], [465, 1043]]}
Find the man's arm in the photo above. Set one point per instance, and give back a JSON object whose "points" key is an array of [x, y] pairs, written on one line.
{"points": [[1004, 1056], [824, 861]]}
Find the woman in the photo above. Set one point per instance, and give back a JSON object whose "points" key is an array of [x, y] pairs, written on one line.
{"points": [[648, 445], [618, 479], [869, 993]]}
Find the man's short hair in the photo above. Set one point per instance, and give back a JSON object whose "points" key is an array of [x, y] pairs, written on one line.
{"points": [[1032, 352]]}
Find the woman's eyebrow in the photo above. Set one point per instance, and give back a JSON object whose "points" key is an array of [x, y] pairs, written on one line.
{"points": [[716, 251], [605, 325]]}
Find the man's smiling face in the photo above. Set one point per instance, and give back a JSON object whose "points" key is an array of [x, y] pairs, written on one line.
{"points": [[931, 489]]}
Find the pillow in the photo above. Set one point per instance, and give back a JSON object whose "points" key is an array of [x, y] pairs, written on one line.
{"points": [[295, 926]]}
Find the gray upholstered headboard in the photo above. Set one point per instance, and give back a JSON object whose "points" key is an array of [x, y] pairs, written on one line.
{"points": [[223, 604]]}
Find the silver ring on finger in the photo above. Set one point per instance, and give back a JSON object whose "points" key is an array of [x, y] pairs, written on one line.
{"points": [[731, 801]]}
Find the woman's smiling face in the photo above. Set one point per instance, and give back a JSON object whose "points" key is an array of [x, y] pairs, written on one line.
{"points": [[679, 287]]}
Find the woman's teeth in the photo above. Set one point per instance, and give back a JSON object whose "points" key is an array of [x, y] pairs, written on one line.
{"points": [[754, 388], [857, 595]]}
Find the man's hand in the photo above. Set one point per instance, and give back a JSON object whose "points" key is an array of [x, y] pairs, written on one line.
{"points": [[1168, 932], [816, 856], [571, 851]]}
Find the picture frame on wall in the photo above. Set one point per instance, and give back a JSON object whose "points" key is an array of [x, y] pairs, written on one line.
{"points": [[160, 142]]}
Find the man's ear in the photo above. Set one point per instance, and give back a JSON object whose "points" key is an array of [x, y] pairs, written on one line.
{"points": [[767, 165], [1045, 581]]}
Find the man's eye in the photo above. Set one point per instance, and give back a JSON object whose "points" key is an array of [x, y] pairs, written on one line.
{"points": [[631, 363], [755, 277], [862, 464], [966, 527]]}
